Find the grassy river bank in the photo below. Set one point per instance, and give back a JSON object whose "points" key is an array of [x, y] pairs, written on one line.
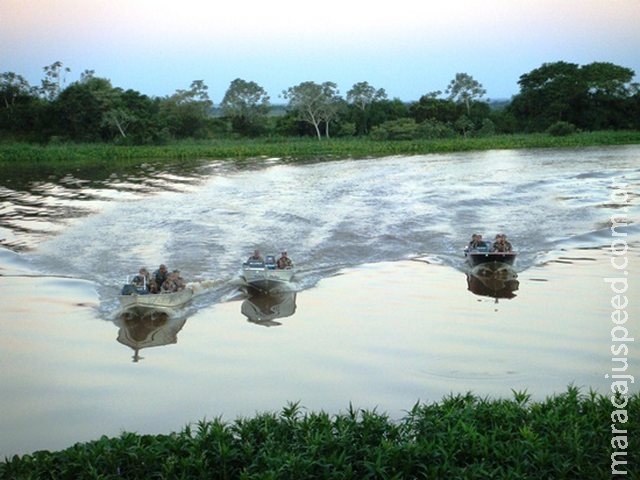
{"points": [[108, 155]]}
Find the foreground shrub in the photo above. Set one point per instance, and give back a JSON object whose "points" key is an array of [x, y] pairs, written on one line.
{"points": [[463, 436]]}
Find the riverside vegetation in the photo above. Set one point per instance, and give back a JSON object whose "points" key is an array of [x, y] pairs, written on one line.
{"points": [[568, 435], [29, 155], [559, 98]]}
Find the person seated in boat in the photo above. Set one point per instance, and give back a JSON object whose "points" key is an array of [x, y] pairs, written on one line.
{"points": [[501, 244], [507, 245], [142, 280], [256, 257], [170, 285], [178, 280], [153, 286], [476, 242], [284, 261], [159, 277]]}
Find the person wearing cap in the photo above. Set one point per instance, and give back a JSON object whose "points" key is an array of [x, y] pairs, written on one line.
{"points": [[143, 279], [501, 244], [476, 242], [178, 280], [506, 244], [160, 276], [256, 257], [173, 283], [170, 285], [284, 261]]}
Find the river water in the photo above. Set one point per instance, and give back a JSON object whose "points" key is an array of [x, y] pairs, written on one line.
{"points": [[383, 312]]}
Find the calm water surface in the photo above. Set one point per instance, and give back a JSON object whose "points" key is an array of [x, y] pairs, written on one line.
{"points": [[383, 314]]}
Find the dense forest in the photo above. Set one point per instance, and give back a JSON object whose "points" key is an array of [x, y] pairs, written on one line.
{"points": [[559, 98]]}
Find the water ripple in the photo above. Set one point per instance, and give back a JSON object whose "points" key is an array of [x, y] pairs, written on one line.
{"points": [[327, 215]]}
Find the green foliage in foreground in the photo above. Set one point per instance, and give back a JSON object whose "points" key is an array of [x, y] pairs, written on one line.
{"points": [[21, 154], [463, 436]]}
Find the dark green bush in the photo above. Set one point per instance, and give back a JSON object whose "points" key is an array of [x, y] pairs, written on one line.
{"points": [[402, 129], [432, 129], [561, 129], [565, 436]]}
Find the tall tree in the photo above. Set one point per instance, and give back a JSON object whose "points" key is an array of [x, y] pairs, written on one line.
{"points": [[143, 125], [332, 105], [608, 89], [119, 118], [607, 79], [362, 96], [54, 80], [19, 104], [246, 104], [546, 95], [465, 89], [12, 88], [592, 96], [186, 112], [88, 106], [314, 103], [430, 107], [387, 110]]}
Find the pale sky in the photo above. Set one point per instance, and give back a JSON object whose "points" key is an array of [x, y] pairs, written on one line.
{"points": [[409, 48]]}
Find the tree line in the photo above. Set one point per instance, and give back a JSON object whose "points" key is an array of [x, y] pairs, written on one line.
{"points": [[557, 97]]}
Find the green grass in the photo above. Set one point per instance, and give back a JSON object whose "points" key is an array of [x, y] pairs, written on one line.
{"points": [[20, 154], [565, 436]]}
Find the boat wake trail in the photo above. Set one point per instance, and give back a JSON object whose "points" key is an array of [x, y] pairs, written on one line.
{"points": [[335, 215]]}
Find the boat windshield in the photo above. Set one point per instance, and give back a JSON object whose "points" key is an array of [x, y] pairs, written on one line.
{"points": [[482, 247], [268, 263]]}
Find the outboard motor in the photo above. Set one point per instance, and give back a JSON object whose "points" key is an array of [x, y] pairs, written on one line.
{"points": [[270, 262]]}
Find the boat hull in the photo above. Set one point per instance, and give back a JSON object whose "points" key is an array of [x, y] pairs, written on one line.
{"points": [[266, 279], [480, 258], [156, 300]]}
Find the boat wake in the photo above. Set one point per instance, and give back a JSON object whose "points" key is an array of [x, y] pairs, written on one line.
{"points": [[352, 213]]}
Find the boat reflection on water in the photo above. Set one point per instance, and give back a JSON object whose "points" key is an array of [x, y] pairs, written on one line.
{"points": [[143, 328], [496, 280], [264, 308]]}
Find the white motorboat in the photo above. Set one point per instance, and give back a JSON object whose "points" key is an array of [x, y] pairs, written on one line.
{"points": [[265, 276], [138, 295], [483, 253]]}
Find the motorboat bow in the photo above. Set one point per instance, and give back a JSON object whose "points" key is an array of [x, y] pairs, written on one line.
{"points": [[265, 275], [483, 254], [138, 295]]}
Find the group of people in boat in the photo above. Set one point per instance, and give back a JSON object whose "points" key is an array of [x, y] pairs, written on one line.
{"points": [[282, 263], [500, 243], [162, 281]]}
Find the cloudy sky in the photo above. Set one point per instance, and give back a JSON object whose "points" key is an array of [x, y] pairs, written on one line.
{"points": [[409, 48]]}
